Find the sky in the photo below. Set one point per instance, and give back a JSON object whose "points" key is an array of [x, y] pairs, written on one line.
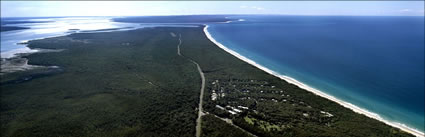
{"points": [[142, 8]]}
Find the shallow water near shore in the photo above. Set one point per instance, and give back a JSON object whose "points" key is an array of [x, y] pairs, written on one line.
{"points": [[375, 63], [13, 42], [50, 27]]}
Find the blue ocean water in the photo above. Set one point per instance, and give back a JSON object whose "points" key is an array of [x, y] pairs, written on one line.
{"points": [[376, 63]]}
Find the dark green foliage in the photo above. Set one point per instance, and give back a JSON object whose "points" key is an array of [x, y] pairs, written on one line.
{"points": [[107, 88], [214, 127]]}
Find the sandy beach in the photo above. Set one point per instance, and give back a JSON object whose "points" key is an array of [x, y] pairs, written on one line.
{"points": [[315, 91]]}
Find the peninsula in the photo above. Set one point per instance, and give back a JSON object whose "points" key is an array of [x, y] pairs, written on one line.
{"points": [[147, 82]]}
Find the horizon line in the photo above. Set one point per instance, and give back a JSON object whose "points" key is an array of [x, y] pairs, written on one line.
{"points": [[212, 15]]}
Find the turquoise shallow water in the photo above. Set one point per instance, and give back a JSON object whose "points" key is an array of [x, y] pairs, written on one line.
{"points": [[376, 63]]}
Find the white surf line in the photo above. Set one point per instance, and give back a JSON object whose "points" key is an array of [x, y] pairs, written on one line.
{"points": [[315, 91], [201, 96]]}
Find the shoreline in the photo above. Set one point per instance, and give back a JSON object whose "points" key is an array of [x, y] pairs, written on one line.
{"points": [[16, 54], [313, 90], [13, 52], [26, 50]]}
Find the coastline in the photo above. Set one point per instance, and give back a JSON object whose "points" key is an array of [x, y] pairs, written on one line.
{"points": [[14, 54], [78, 27], [26, 50], [315, 91], [8, 65]]}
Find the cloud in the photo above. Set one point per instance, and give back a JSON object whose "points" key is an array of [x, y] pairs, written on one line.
{"points": [[405, 10], [410, 12], [251, 7], [257, 8]]}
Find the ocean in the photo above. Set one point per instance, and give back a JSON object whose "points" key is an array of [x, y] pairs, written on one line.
{"points": [[373, 62]]}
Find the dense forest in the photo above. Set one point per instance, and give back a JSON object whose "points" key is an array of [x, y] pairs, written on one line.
{"points": [[111, 84]]}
